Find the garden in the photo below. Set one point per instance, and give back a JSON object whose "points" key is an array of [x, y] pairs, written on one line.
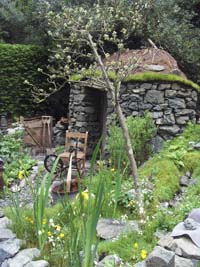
{"points": [[123, 74], [65, 232]]}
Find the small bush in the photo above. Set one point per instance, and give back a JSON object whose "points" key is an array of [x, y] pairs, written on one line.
{"points": [[141, 130]]}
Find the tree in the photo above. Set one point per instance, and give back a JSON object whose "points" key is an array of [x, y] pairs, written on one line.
{"points": [[79, 37], [174, 25]]}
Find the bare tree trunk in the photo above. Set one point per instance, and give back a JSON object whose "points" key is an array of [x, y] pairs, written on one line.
{"points": [[123, 125]]}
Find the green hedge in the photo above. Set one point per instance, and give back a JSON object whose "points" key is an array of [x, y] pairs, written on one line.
{"points": [[17, 64]]}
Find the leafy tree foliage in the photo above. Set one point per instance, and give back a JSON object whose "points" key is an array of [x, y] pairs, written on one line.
{"points": [[174, 25]]}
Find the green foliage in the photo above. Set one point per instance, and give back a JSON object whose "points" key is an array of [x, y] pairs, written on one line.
{"points": [[173, 24], [128, 247], [141, 77], [141, 130], [16, 161], [19, 63]]}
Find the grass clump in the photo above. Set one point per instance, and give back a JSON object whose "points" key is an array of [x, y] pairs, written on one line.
{"points": [[165, 176]]}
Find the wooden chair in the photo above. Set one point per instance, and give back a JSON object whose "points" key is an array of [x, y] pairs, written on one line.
{"points": [[76, 145]]}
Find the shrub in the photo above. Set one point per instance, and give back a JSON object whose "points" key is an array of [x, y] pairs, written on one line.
{"points": [[141, 130], [19, 63]]}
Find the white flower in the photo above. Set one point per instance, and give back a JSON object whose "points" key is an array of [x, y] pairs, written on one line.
{"points": [[39, 232]]}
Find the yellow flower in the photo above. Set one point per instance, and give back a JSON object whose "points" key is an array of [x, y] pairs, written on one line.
{"points": [[58, 227], [136, 245], [49, 233], [85, 195], [112, 170], [61, 235], [31, 221], [21, 174], [143, 254], [44, 221]]}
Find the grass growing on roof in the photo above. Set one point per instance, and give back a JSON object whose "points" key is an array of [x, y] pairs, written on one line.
{"points": [[138, 77]]}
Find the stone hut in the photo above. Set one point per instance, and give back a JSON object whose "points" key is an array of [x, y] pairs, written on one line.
{"points": [[157, 85]]}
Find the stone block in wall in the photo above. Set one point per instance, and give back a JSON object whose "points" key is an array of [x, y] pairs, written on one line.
{"points": [[145, 106], [176, 86], [164, 86], [156, 115], [124, 97], [183, 93], [146, 86], [135, 98], [160, 107], [89, 109], [191, 104], [154, 97], [194, 95], [167, 119], [182, 120], [182, 112], [177, 103], [135, 113], [170, 93], [170, 130], [139, 91], [133, 106]]}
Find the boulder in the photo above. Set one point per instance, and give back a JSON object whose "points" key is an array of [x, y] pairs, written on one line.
{"points": [[160, 257], [111, 228], [182, 262], [40, 263], [111, 261]]}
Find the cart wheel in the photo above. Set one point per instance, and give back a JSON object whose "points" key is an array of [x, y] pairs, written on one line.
{"points": [[49, 161]]}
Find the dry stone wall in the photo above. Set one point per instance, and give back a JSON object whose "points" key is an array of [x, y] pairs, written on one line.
{"points": [[85, 113], [171, 105]]}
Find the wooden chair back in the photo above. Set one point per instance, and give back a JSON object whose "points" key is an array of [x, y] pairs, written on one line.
{"points": [[77, 141]]}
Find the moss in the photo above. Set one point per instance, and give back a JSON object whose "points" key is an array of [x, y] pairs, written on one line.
{"points": [[191, 161], [153, 76], [139, 77], [165, 175]]}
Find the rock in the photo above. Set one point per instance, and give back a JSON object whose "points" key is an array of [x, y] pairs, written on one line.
{"points": [[24, 257], [146, 85], [111, 261], [18, 261], [1, 213], [184, 180], [5, 222], [140, 264], [197, 145], [30, 252], [154, 97], [167, 242], [172, 130], [156, 115], [168, 119], [152, 67], [164, 86], [6, 234], [40, 263], [11, 246], [182, 120], [157, 143], [111, 228], [170, 93], [3, 256], [177, 103], [181, 262], [160, 257], [186, 248]]}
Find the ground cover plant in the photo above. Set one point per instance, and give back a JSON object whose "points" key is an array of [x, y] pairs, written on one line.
{"points": [[17, 163], [66, 232]]}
